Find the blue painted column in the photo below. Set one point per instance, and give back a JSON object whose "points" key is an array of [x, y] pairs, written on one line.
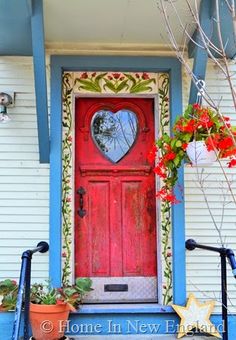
{"points": [[200, 53], [40, 79], [56, 177], [178, 210]]}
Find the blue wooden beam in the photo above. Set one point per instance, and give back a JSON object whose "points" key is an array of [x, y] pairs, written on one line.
{"points": [[29, 7], [40, 79], [200, 54], [227, 31], [15, 28]]}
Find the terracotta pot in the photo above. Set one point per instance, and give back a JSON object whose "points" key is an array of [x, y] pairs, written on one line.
{"points": [[199, 155], [48, 321]]}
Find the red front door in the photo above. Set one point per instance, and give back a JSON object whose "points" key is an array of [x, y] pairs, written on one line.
{"points": [[115, 211]]}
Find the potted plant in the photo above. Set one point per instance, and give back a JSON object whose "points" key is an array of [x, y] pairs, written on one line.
{"points": [[8, 295], [8, 298], [199, 128], [50, 307]]}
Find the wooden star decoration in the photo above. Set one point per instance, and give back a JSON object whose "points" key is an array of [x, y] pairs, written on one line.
{"points": [[196, 316]]}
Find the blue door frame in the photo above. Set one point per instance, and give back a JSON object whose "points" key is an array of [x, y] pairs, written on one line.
{"points": [[60, 64]]}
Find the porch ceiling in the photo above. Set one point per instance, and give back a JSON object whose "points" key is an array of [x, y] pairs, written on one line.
{"points": [[124, 22], [75, 24]]}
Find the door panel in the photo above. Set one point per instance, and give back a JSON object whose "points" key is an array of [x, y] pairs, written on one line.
{"points": [[99, 220], [132, 228], [115, 242]]}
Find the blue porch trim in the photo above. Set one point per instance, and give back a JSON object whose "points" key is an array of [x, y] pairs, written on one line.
{"points": [[59, 64], [40, 80]]}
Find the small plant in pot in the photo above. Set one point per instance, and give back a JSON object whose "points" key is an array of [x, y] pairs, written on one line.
{"points": [[8, 295], [199, 136], [50, 307]]}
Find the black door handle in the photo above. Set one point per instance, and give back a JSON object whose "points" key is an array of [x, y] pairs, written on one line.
{"points": [[81, 211]]}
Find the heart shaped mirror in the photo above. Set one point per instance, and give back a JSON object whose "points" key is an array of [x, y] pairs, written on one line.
{"points": [[114, 133]]}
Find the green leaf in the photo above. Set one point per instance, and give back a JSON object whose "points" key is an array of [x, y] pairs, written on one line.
{"points": [[178, 143], [110, 85], [83, 284], [122, 85], [131, 78], [98, 78], [142, 86], [173, 143], [141, 89], [188, 112], [177, 161], [91, 86], [166, 138], [88, 88]]}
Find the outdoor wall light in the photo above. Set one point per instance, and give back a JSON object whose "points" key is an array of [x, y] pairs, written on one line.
{"points": [[5, 100]]}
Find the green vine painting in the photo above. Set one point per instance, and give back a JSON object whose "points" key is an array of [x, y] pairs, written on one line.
{"points": [[165, 205], [66, 178], [109, 83]]}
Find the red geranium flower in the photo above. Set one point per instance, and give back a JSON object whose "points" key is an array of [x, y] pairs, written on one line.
{"points": [[170, 156], [231, 163], [196, 106], [205, 120], [158, 171], [225, 143]]}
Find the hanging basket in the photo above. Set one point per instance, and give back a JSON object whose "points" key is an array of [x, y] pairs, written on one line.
{"points": [[199, 155]]}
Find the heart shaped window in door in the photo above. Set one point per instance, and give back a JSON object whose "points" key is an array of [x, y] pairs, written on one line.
{"points": [[114, 133]]}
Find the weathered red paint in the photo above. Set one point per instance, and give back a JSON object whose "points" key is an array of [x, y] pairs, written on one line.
{"points": [[117, 237]]}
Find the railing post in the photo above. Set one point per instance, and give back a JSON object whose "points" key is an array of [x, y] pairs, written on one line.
{"points": [[27, 300], [24, 290], [224, 295], [26, 256], [224, 253]]}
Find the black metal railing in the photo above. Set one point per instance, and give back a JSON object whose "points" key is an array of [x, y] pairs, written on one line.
{"points": [[224, 253], [23, 294]]}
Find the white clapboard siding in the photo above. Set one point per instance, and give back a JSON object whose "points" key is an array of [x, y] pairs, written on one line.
{"points": [[203, 268], [24, 182]]}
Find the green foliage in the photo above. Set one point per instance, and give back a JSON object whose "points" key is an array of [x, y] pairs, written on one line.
{"points": [[44, 294], [8, 294], [71, 294]]}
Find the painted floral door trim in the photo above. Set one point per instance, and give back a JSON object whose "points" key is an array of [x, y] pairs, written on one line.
{"points": [[75, 83]]}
